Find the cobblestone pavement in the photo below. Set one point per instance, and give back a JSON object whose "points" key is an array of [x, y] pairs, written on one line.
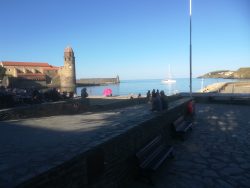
{"points": [[215, 154], [31, 146]]}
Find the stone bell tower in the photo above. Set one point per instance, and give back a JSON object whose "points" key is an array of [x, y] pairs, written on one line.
{"points": [[67, 72]]}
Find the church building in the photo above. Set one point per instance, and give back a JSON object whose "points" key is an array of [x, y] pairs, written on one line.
{"points": [[36, 74]]}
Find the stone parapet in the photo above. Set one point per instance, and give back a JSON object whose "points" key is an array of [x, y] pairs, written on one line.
{"points": [[220, 98], [71, 106]]}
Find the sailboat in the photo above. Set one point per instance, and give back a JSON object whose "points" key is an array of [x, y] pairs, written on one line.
{"points": [[169, 80]]}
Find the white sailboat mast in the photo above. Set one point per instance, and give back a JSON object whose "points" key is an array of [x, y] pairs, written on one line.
{"points": [[169, 73]]}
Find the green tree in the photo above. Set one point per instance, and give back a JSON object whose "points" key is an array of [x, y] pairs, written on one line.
{"points": [[2, 72]]}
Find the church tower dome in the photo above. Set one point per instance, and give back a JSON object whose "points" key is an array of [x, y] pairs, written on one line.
{"points": [[68, 76], [68, 50]]}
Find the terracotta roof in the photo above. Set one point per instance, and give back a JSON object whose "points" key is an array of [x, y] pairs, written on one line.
{"points": [[51, 68], [30, 64]]}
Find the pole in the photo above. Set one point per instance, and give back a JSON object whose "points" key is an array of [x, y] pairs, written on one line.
{"points": [[190, 47]]}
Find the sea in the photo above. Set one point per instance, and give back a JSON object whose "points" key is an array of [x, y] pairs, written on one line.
{"points": [[135, 87]]}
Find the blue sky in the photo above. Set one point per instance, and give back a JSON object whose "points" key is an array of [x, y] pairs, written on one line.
{"points": [[134, 39]]}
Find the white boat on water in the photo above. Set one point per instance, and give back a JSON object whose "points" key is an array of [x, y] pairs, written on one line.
{"points": [[169, 80]]}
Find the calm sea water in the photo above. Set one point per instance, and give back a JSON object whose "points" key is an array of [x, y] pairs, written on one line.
{"points": [[127, 87]]}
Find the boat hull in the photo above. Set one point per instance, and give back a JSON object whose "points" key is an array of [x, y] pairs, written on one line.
{"points": [[168, 81]]}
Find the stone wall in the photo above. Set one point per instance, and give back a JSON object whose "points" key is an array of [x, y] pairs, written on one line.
{"points": [[14, 82], [111, 163], [72, 106]]}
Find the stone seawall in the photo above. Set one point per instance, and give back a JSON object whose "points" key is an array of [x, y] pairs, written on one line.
{"points": [[213, 88], [111, 163], [97, 81]]}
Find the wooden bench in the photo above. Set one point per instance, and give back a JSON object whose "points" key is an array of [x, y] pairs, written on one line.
{"points": [[152, 156], [181, 126]]}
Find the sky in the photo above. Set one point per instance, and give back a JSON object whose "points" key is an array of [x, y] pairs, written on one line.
{"points": [[135, 39]]}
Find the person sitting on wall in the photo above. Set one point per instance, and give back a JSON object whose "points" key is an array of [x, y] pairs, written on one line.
{"points": [[148, 96], [36, 96], [153, 92], [64, 95], [84, 93], [156, 101], [71, 95], [157, 92], [191, 109], [52, 95], [164, 100]]}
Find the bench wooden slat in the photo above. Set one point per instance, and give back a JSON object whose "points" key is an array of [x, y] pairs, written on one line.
{"points": [[166, 153], [146, 163], [189, 126], [180, 126], [144, 152], [151, 156], [179, 120]]}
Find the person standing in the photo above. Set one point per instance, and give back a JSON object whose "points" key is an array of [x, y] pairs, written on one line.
{"points": [[84, 93]]}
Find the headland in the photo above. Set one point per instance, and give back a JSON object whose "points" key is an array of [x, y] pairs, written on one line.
{"points": [[241, 73]]}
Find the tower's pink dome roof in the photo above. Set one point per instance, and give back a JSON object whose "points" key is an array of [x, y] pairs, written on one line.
{"points": [[68, 49]]}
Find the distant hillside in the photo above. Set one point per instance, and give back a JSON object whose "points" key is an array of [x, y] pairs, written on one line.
{"points": [[241, 73]]}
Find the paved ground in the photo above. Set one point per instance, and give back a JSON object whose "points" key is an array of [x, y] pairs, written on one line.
{"points": [[32, 146], [216, 153]]}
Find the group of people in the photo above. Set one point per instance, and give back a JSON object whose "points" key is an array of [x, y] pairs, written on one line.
{"points": [[10, 97], [158, 100]]}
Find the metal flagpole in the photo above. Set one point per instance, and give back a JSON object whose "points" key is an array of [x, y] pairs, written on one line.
{"points": [[190, 50]]}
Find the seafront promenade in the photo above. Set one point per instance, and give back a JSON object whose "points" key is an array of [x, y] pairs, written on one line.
{"points": [[54, 151], [216, 153]]}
